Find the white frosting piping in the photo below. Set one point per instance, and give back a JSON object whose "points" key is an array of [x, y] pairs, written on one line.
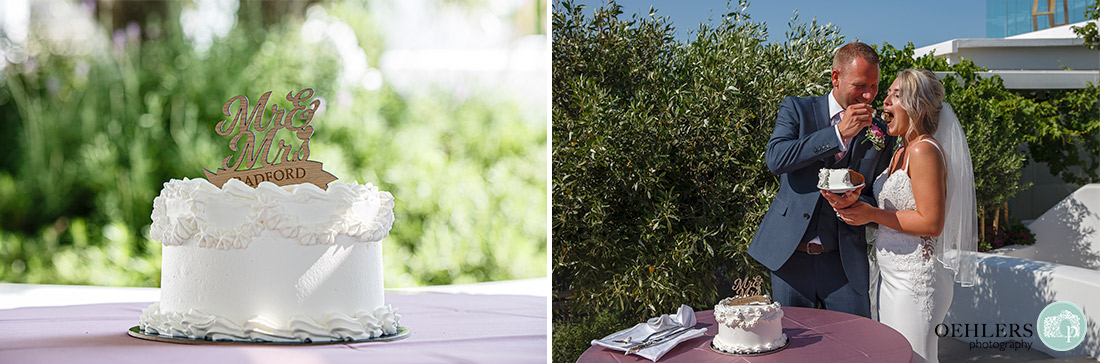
{"points": [[335, 327], [745, 316], [229, 217], [733, 348]]}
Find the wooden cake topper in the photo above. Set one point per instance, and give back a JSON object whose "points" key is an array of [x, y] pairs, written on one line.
{"points": [[747, 292], [290, 165]]}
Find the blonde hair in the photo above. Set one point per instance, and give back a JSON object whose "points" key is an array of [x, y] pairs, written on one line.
{"points": [[922, 98]]}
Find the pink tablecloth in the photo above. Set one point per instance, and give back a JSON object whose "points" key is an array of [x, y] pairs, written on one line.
{"points": [[815, 336], [446, 328]]}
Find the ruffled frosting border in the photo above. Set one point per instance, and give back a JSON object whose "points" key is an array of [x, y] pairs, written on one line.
{"points": [[332, 328], [183, 210], [750, 349], [745, 316]]}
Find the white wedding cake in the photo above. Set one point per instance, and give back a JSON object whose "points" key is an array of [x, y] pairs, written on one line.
{"points": [[275, 263], [749, 328], [834, 178]]}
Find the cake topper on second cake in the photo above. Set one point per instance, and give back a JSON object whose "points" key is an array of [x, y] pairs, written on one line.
{"points": [[746, 291], [288, 165]]}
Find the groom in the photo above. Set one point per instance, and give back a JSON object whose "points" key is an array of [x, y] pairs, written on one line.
{"points": [[815, 259]]}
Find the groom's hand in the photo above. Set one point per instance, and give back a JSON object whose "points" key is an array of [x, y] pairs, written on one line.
{"points": [[844, 200], [856, 117]]}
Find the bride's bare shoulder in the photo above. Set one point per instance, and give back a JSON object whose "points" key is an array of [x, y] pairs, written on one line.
{"points": [[926, 154], [926, 145]]}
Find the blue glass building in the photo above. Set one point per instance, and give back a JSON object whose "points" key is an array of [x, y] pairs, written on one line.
{"points": [[1005, 18]]}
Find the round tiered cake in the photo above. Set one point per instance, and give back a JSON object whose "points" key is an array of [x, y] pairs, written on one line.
{"points": [[273, 263], [749, 328]]}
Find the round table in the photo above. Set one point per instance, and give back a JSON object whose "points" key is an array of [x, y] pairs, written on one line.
{"points": [[815, 336], [446, 328]]}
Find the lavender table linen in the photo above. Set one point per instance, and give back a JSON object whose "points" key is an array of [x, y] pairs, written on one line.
{"points": [[446, 328], [816, 336]]}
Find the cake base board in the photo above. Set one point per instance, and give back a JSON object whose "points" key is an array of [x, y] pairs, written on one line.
{"points": [[402, 332], [723, 352]]}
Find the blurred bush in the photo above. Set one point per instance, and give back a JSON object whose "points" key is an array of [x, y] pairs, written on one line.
{"points": [[659, 180], [92, 137]]}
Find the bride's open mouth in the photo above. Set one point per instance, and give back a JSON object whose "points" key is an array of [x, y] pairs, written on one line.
{"points": [[887, 116]]}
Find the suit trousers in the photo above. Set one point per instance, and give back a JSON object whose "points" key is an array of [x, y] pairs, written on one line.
{"points": [[818, 281]]}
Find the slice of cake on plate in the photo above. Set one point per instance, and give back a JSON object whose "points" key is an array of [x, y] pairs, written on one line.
{"points": [[838, 180]]}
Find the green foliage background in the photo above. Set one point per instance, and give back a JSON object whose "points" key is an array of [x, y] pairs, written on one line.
{"points": [[1089, 31], [658, 171], [90, 139], [659, 180]]}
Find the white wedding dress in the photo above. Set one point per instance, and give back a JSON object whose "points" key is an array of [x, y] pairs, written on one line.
{"points": [[914, 288]]}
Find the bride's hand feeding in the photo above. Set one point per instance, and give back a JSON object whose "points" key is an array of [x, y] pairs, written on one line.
{"points": [[857, 214]]}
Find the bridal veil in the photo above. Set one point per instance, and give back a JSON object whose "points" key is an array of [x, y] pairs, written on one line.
{"points": [[960, 228]]}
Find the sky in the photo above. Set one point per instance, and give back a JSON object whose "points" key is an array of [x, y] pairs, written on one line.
{"points": [[874, 22]]}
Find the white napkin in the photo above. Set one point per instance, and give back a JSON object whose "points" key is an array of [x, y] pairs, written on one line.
{"points": [[685, 317]]}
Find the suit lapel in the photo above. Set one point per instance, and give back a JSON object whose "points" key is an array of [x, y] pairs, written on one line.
{"points": [[860, 147], [856, 144]]}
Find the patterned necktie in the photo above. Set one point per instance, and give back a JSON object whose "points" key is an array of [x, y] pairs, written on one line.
{"points": [[835, 121]]}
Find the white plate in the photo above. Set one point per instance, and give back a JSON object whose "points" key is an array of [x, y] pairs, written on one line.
{"points": [[843, 189]]}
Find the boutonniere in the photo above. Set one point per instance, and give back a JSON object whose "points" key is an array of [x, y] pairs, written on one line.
{"points": [[876, 137]]}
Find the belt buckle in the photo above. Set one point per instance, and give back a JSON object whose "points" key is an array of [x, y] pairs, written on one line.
{"points": [[814, 249]]}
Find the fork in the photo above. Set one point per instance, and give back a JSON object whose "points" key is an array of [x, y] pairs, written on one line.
{"points": [[648, 343], [628, 339]]}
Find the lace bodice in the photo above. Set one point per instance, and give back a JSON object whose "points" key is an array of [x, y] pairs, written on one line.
{"points": [[894, 191]]}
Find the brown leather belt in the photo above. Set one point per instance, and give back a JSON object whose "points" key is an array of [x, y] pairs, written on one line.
{"points": [[812, 249]]}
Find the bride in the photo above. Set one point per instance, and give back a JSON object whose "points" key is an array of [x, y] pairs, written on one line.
{"points": [[927, 219]]}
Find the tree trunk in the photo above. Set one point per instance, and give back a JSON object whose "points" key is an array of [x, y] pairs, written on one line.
{"points": [[981, 223], [996, 218]]}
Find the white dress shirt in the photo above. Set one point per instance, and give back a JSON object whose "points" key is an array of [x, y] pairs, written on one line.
{"points": [[834, 116]]}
